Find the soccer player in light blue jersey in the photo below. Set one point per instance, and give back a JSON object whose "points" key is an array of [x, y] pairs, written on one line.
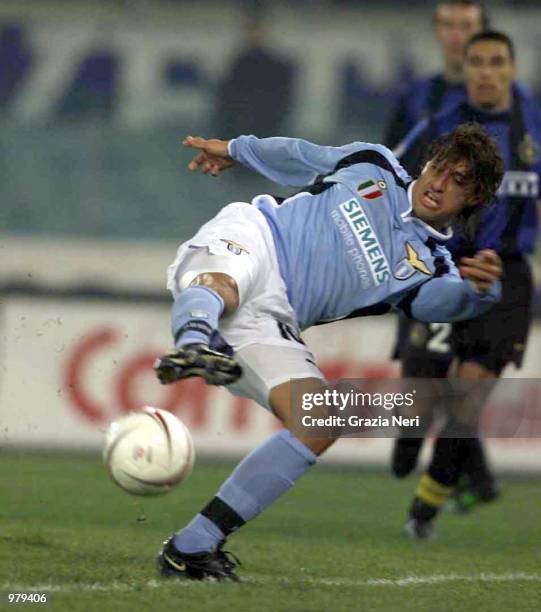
{"points": [[359, 238]]}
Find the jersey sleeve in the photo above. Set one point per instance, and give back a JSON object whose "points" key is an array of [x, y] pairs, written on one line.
{"points": [[293, 161], [449, 298]]}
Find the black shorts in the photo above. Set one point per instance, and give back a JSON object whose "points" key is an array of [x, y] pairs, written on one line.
{"points": [[493, 340]]}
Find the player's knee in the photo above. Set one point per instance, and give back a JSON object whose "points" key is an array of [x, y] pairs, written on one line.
{"points": [[474, 370], [317, 445], [224, 285], [281, 402], [477, 382]]}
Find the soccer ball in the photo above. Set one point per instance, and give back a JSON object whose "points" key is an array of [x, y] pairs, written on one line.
{"points": [[148, 452]]}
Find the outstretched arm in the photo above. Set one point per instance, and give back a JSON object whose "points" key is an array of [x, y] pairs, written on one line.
{"points": [[412, 150], [290, 161], [287, 161], [400, 122], [452, 298], [213, 155]]}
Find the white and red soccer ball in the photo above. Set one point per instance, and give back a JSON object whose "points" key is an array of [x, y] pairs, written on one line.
{"points": [[148, 452]]}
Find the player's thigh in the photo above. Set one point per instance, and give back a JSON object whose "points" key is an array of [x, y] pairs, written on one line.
{"points": [[491, 342], [267, 366], [423, 348], [269, 373], [233, 243], [425, 367], [498, 337], [425, 356]]}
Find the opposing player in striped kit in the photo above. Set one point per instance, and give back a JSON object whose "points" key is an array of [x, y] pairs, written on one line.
{"points": [[482, 347], [454, 22]]}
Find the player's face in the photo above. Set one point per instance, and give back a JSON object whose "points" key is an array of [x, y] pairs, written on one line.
{"points": [[441, 192], [455, 25], [489, 70]]}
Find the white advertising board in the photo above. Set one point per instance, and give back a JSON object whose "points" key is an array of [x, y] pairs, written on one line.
{"points": [[68, 366]]}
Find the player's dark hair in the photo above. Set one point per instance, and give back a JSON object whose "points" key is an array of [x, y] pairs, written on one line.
{"points": [[472, 143], [495, 36], [485, 20]]}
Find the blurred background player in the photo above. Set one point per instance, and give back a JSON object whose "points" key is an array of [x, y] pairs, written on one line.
{"points": [[455, 21], [483, 346], [254, 96]]}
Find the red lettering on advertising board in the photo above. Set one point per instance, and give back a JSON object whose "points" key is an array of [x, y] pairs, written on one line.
{"points": [[75, 372], [189, 399]]}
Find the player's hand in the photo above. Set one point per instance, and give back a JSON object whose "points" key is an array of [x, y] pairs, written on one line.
{"points": [[483, 269], [214, 157]]}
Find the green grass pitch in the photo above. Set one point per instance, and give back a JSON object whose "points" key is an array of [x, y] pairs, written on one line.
{"points": [[333, 543]]}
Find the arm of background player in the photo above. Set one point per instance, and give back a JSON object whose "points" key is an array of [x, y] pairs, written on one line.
{"points": [[412, 151], [292, 161], [449, 298], [399, 125]]}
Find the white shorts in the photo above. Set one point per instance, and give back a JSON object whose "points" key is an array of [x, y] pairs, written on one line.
{"points": [[238, 242]]}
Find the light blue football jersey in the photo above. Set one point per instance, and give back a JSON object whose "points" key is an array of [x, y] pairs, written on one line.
{"points": [[349, 244]]}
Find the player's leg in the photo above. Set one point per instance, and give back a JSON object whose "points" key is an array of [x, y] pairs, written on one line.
{"points": [[476, 481], [212, 276], [263, 476], [457, 439], [483, 347], [452, 450], [269, 358], [506, 327], [456, 442], [194, 321], [486, 347], [459, 467], [425, 353]]}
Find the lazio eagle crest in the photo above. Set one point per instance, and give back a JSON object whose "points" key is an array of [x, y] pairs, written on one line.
{"points": [[411, 264]]}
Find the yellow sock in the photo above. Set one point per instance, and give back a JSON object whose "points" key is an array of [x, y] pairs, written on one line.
{"points": [[432, 492]]}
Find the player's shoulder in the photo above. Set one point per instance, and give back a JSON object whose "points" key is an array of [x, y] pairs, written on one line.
{"points": [[530, 106], [447, 117], [429, 128], [375, 150], [524, 93], [381, 156], [531, 112], [414, 87]]}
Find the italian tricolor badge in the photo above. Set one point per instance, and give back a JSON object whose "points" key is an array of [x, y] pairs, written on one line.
{"points": [[370, 190]]}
